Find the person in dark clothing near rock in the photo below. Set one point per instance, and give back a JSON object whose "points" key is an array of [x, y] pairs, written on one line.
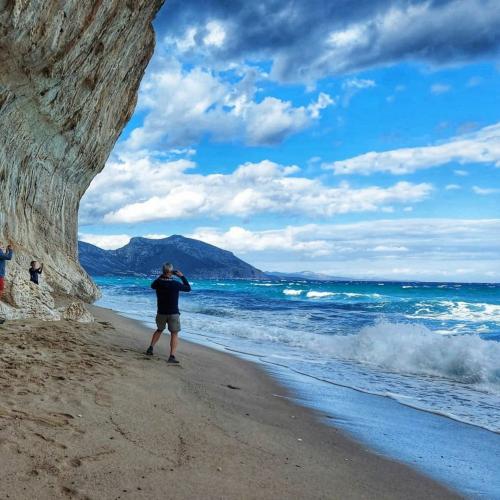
{"points": [[4, 255], [167, 293], [35, 271]]}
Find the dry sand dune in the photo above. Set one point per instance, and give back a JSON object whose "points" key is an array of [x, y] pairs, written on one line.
{"points": [[83, 414]]}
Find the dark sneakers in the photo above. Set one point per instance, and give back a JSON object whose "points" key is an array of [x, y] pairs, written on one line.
{"points": [[171, 359]]}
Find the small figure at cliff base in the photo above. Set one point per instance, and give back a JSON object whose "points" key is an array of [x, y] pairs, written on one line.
{"points": [[35, 270], [168, 315], [4, 256]]}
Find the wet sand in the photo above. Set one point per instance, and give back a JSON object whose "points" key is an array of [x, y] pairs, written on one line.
{"points": [[84, 414]]}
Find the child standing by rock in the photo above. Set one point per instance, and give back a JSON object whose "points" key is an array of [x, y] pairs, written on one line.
{"points": [[35, 270]]}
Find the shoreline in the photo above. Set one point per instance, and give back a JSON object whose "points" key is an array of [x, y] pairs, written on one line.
{"points": [[100, 419], [454, 453]]}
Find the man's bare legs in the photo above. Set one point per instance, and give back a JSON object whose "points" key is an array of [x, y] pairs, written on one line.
{"points": [[156, 337], [154, 340], [174, 340]]}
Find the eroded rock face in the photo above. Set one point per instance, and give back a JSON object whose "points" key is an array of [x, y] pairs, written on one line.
{"points": [[69, 74], [27, 300], [76, 311]]}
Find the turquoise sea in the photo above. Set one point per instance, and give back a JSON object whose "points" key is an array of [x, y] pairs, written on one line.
{"points": [[412, 369]]}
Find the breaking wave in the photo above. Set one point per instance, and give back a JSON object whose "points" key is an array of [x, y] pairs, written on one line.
{"points": [[447, 310], [414, 349], [318, 295]]}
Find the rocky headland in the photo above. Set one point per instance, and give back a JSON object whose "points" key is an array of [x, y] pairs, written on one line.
{"points": [[145, 257]]}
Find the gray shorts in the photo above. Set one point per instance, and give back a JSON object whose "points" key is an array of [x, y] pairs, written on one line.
{"points": [[172, 320]]}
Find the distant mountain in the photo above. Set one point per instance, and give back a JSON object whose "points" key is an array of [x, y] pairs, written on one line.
{"points": [[143, 256], [308, 275], [99, 262]]}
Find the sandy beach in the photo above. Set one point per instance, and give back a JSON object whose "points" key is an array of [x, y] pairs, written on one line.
{"points": [[84, 414]]}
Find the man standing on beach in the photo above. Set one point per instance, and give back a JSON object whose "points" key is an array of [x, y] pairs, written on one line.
{"points": [[167, 293], [4, 255]]}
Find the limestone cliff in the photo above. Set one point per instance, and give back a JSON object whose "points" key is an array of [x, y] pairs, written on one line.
{"points": [[69, 74]]}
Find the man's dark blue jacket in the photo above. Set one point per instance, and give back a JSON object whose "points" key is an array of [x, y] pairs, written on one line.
{"points": [[167, 293]]}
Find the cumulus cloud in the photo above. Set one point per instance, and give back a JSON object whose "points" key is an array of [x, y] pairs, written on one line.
{"points": [[310, 39], [105, 241], [133, 189], [437, 237], [482, 146], [183, 105], [403, 249], [113, 241], [242, 240]]}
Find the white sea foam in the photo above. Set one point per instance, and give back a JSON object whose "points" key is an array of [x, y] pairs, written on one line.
{"points": [[405, 348], [318, 295], [289, 291], [314, 294], [266, 284], [448, 310], [413, 348], [371, 295]]}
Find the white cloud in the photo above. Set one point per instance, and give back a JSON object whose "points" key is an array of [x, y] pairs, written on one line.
{"points": [[113, 241], [354, 85], [243, 241], [272, 120], [136, 189], [410, 31], [387, 248], [461, 173], [485, 191], [403, 249], [186, 42], [428, 249], [324, 100], [440, 88], [155, 236], [436, 236], [452, 187], [105, 241], [347, 37], [482, 146], [182, 106], [307, 40], [215, 34]]}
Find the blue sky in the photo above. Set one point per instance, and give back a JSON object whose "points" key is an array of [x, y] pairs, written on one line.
{"points": [[353, 139]]}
